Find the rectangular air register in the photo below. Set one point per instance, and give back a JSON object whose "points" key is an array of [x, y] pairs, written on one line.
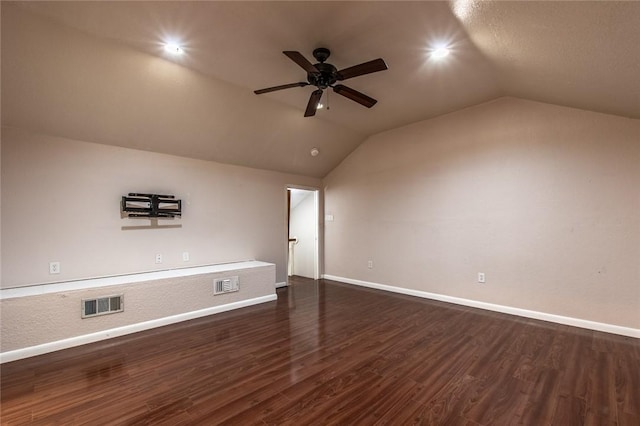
{"points": [[102, 306], [225, 285]]}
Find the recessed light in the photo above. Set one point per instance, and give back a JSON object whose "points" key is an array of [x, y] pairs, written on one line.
{"points": [[314, 152], [440, 52], [173, 48]]}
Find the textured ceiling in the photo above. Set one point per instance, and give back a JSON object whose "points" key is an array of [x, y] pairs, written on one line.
{"points": [[578, 54]]}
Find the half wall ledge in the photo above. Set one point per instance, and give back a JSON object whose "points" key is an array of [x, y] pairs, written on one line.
{"points": [[45, 318]]}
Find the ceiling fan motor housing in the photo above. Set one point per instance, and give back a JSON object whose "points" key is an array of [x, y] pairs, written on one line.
{"points": [[327, 77]]}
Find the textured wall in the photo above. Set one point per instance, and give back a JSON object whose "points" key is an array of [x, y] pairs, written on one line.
{"points": [[34, 320], [60, 202], [544, 200]]}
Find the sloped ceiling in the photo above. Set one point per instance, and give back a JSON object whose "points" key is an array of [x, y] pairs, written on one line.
{"points": [[96, 71]]}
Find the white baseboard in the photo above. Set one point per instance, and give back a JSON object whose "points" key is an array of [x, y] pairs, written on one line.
{"points": [[559, 319], [127, 329], [282, 284]]}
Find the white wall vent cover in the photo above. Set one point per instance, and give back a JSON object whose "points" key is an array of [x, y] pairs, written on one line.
{"points": [[225, 285], [102, 305]]}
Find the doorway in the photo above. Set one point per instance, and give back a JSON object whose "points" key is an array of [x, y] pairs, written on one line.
{"points": [[303, 230]]}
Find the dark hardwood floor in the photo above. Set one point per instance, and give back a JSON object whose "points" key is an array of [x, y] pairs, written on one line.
{"points": [[330, 353]]}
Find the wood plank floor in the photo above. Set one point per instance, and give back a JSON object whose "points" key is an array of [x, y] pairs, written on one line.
{"points": [[330, 353]]}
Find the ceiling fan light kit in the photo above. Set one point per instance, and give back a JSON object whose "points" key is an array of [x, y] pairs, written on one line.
{"points": [[323, 75]]}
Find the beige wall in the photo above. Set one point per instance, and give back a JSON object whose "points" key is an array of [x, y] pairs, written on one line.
{"points": [[544, 200], [60, 202], [0, 206]]}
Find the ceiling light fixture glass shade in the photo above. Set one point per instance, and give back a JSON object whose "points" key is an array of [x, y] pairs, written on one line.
{"points": [[440, 52], [173, 48]]}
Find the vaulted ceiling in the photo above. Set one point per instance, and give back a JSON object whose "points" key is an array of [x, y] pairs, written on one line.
{"points": [[110, 80]]}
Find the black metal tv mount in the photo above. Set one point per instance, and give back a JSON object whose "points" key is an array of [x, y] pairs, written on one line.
{"points": [[151, 206]]}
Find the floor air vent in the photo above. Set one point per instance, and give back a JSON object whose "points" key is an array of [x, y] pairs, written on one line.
{"points": [[225, 285], [102, 306]]}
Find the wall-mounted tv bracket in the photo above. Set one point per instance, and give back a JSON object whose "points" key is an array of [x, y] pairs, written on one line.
{"points": [[151, 206]]}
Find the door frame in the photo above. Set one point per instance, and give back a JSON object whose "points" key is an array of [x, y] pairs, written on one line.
{"points": [[317, 225]]}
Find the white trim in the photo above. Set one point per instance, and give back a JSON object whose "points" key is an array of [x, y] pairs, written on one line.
{"points": [[127, 329], [317, 230], [559, 319], [34, 290], [316, 245], [282, 284]]}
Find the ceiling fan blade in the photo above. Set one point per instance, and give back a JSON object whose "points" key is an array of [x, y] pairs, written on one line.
{"points": [[354, 95], [362, 69], [284, 86], [312, 106], [302, 61]]}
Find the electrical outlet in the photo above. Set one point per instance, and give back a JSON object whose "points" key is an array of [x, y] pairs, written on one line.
{"points": [[54, 267], [185, 256], [481, 278], [158, 258], [370, 264]]}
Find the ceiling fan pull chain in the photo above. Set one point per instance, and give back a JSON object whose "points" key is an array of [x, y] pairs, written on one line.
{"points": [[327, 100]]}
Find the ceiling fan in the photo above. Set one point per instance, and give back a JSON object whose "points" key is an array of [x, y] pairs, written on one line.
{"points": [[324, 75]]}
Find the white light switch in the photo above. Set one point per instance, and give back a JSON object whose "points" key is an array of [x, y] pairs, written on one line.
{"points": [[328, 218]]}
